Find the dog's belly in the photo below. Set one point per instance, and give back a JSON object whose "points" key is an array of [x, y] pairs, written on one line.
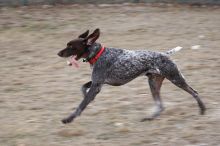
{"points": [[121, 74], [116, 81]]}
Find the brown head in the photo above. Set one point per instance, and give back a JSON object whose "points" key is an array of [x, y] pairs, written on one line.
{"points": [[79, 46]]}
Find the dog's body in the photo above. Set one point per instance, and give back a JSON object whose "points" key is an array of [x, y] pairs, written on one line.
{"points": [[119, 66]]}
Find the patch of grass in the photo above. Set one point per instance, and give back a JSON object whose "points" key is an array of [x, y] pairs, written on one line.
{"points": [[123, 130], [70, 133]]}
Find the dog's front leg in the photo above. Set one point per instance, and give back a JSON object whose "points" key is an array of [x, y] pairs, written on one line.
{"points": [[94, 90], [85, 87]]}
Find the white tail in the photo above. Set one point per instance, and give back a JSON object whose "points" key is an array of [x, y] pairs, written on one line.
{"points": [[174, 50]]}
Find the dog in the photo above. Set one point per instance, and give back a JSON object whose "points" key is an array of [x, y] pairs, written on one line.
{"points": [[117, 67]]}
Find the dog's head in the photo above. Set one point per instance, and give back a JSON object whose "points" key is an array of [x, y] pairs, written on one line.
{"points": [[79, 46]]}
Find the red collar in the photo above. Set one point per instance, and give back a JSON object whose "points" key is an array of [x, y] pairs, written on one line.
{"points": [[94, 59]]}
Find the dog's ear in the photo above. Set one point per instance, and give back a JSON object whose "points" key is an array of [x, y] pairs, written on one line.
{"points": [[93, 37], [84, 35]]}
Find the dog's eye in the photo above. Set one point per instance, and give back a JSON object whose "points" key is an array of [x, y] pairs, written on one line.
{"points": [[69, 46]]}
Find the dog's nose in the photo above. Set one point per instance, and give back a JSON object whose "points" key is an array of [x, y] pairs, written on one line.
{"points": [[60, 54]]}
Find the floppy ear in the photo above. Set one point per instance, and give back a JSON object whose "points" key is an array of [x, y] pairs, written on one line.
{"points": [[84, 35], [93, 37]]}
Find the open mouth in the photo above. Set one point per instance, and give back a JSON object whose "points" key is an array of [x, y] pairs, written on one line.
{"points": [[73, 61]]}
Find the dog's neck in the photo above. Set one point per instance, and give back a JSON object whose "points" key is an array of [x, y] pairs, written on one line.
{"points": [[94, 52]]}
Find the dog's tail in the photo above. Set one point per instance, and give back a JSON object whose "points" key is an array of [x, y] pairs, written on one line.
{"points": [[174, 50]]}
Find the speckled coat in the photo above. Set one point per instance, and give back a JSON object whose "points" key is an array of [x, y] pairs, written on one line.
{"points": [[119, 66]]}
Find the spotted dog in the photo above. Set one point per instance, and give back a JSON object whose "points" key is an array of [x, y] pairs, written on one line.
{"points": [[117, 67]]}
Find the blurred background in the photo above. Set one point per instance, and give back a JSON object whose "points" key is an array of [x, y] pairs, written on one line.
{"points": [[53, 2], [38, 89]]}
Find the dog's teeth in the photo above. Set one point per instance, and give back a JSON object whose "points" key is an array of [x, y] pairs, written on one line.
{"points": [[68, 63]]}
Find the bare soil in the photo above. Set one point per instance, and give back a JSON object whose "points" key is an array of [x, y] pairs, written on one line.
{"points": [[38, 89]]}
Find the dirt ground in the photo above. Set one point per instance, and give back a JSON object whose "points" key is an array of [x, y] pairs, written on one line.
{"points": [[38, 89]]}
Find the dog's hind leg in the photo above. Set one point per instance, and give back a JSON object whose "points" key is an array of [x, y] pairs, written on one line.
{"points": [[177, 79], [93, 91], [155, 82], [85, 87], [191, 91]]}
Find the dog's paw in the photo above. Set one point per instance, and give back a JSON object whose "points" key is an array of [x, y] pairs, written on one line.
{"points": [[67, 120], [202, 111], [202, 108]]}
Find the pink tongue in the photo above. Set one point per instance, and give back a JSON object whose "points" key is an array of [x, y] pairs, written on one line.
{"points": [[74, 62]]}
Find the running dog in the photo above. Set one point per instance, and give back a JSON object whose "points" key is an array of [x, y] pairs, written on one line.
{"points": [[117, 67]]}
